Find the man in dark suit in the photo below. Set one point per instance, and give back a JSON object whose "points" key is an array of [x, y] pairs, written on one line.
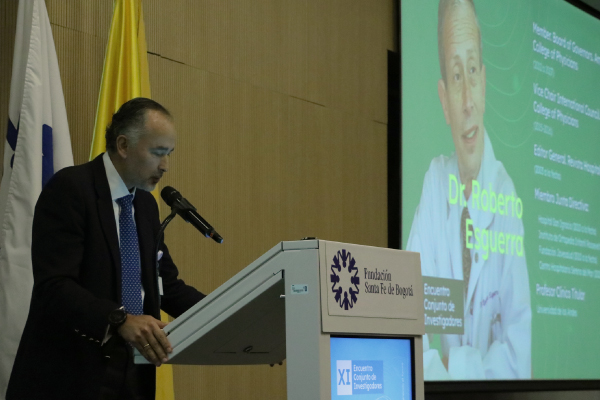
{"points": [[96, 294]]}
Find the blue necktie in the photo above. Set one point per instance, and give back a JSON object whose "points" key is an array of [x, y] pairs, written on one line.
{"points": [[131, 282]]}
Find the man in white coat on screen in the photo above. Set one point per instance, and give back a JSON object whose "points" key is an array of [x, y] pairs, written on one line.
{"points": [[457, 238]]}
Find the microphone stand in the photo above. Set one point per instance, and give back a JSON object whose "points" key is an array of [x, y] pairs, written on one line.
{"points": [[159, 239]]}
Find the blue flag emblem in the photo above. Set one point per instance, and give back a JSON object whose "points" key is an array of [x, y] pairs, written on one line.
{"points": [[47, 150]]}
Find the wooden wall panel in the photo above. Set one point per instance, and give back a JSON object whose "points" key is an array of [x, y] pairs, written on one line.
{"points": [[228, 159], [298, 63], [330, 52], [320, 56], [391, 26], [244, 40], [152, 18], [349, 54], [90, 16], [281, 111], [336, 185], [80, 59], [260, 382], [361, 168]]}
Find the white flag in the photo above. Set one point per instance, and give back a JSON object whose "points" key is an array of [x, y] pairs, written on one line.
{"points": [[38, 144]]}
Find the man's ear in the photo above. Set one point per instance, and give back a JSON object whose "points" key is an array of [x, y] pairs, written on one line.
{"points": [[122, 145], [442, 95]]}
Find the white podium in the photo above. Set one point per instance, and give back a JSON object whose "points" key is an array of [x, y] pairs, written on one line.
{"points": [[291, 302]]}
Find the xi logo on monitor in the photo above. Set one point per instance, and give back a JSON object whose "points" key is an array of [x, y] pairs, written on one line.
{"points": [[359, 377]]}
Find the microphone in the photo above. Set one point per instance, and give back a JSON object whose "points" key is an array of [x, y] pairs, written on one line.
{"points": [[175, 200]]}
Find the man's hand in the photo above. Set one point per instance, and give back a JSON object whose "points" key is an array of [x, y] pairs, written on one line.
{"points": [[145, 334]]}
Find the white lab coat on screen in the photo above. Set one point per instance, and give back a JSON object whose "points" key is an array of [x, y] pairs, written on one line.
{"points": [[496, 343]]}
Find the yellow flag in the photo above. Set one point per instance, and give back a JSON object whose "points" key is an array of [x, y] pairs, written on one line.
{"points": [[124, 77]]}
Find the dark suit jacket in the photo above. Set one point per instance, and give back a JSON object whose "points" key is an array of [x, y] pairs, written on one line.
{"points": [[77, 283]]}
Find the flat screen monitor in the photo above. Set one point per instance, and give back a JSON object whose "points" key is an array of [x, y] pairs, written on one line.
{"points": [[500, 185], [368, 368]]}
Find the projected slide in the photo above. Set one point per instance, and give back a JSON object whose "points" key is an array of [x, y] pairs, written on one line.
{"points": [[501, 185], [371, 369]]}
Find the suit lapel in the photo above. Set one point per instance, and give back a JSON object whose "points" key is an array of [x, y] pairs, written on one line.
{"points": [[106, 214]]}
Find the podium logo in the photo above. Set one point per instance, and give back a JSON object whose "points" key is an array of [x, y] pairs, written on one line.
{"points": [[344, 377], [359, 377], [345, 279]]}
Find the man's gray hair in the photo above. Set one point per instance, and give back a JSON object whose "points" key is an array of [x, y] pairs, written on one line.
{"points": [[130, 121]]}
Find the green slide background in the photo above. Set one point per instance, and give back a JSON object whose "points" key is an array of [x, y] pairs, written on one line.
{"points": [[562, 347]]}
